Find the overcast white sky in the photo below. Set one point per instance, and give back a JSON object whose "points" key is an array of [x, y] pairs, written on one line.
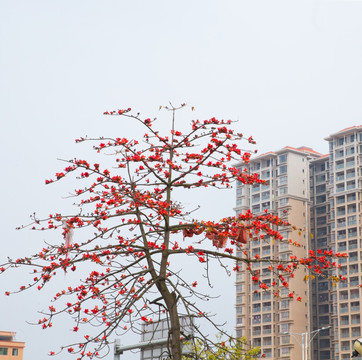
{"points": [[290, 72]]}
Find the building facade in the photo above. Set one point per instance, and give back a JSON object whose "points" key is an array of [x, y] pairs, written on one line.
{"points": [[320, 194], [344, 201], [9, 348]]}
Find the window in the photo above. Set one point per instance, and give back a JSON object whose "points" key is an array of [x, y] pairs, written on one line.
{"points": [[323, 320], [323, 309], [15, 352], [342, 246], [323, 297], [283, 202], [355, 294], [341, 234], [339, 164], [350, 151], [265, 205], [285, 339], [350, 174], [339, 153], [267, 329], [321, 199], [353, 269], [322, 286], [350, 162], [256, 319], [355, 306], [341, 223], [283, 180], [320, 178], [355, 319], [255, 188], [257, 342], [324, 343], [284, 328], [256, 307], [284, 315], [285, 351], [322, 220], [351, 185], [356, 332], [256, 166], [282, 169], [265, 175], [353, 256], [267, 306], [340, 199], [256, 330], [265, 195], [282, 158], [353, 281], [320, 188], [351, 197], [344, 333], [284, 304], [321, 210], [3, 351], [352, 232], [283, 190], [268, 353], [340, 187], [352, 244]]}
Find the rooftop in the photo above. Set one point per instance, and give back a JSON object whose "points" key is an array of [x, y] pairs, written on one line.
{"points": [[345, 131]]}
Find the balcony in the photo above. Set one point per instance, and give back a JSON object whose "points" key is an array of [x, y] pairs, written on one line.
{"points": [[350, 163]]}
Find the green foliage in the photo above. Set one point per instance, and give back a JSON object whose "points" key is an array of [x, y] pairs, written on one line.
{"points": [[232, 349]]}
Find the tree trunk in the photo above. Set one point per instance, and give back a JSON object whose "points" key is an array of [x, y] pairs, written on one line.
{"points": [[175, 330]]}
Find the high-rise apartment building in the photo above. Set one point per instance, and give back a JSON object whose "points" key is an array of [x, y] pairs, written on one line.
{"points": [[320, 194], [344, 220]]}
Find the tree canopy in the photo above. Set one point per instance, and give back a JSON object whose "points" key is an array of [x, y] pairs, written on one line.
{"points": [[136, 225]]}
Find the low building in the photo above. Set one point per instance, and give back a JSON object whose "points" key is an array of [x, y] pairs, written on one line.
{"points": [[9, 348]]}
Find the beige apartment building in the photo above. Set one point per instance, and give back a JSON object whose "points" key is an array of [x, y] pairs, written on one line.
{"points": [[320, 194], [9, 348]]}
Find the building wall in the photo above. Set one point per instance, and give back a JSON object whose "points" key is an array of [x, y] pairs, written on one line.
{"points": [[322, 196], [345, 225], [10, 349], [261, 317]]}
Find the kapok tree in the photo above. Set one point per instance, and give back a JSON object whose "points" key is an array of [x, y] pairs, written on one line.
{"points": [[137, 226]]}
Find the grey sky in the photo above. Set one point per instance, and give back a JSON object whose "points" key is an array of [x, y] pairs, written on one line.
{"points": [[289, 71]]}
